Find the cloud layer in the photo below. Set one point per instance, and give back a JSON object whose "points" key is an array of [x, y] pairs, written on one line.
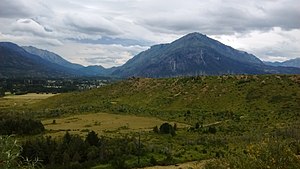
{"points": [[109, 32]]}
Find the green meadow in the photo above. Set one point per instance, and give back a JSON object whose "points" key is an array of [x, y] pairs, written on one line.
{"points": [[217, 121]]}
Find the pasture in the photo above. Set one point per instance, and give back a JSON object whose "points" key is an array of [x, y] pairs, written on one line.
{"points": [[102, 123], [21, 101]]}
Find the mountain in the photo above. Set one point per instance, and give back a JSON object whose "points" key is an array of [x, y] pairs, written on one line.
{"points": [[97, 70], [289, 63], [194, 54], [51, 57], [16, 62], [54, 58]]}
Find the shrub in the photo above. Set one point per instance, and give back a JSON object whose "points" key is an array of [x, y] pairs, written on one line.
{"points": [[167, 128], [19, 125], [267, 154]]}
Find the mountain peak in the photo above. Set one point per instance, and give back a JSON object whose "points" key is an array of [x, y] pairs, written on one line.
{"points": [[192, 54], [195, 36]]}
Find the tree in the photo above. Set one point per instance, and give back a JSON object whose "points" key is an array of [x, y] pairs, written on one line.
{"points": [[212, 129], [66, 158], [155, 129], [76, 157], [92, 138], [197, 125], [175, 126], [153, 161], [2, 92], [167, 128]]}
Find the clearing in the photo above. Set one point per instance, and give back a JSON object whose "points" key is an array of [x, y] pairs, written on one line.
{"points": [[102, 123], [13, 101]]}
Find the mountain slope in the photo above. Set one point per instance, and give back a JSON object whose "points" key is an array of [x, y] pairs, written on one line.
{"points": [[194, 54], [289, 63], [16, 62], [245, 94], [81, 70], [51, 57]]}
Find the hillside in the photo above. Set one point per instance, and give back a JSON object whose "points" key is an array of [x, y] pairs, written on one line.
{"points": [[171, 98], [235, 117]]}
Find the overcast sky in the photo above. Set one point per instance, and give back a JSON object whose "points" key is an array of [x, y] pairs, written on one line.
{"points": [[109, 32]]}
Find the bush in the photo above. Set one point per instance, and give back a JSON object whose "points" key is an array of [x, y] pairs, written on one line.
{"points": [[18, 125], [167, 128], [10, 155], [267, 154]]}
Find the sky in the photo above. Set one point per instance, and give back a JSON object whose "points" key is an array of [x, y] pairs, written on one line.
{"points": [[110, 32]]}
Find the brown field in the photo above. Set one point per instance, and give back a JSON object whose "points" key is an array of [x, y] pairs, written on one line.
{"points": [[17, 101], [102, 123]]}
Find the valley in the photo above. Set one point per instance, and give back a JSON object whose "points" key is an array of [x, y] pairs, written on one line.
{"points": [[140, 84], [214, 120]]}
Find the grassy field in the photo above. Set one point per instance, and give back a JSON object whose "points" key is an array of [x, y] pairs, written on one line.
{"points": [[20, 102], [102, 123], [219, 117]]}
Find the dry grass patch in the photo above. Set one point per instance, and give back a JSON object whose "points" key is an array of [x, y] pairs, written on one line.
{"points": [[30, 96], [19, 101], [188, 165], [103, 123]]}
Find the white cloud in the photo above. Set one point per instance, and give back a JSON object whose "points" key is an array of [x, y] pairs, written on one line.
{"points": [[268, 29], [93, 54]]}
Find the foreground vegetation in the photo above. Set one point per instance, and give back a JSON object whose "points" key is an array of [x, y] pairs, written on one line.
{"points": [[231, 121]]}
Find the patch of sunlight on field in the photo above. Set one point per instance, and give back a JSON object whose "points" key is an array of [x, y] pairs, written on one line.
{"points": [[33, 96], [188, 165], [17, 101], [102, 123]]}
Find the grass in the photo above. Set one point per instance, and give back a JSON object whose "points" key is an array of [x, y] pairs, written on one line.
{"points": [[209, 99], [102, 123], [243, 111], [21, 102]]}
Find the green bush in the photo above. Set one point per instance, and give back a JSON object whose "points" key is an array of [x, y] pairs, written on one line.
{"points": [[167, 128], [267, 154]]}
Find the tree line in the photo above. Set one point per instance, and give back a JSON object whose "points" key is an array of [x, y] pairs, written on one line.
{"points": [[19, 125], [73, 151]]}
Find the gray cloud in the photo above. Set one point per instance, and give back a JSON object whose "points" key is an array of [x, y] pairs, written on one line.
{"points": [[92, 24], [109, 32], [13, 9], [109, 41]]}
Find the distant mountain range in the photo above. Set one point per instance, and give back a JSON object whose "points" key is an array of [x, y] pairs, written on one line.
{"points": [[289, 63], [193, 54], [29, 61], [51, 57]]}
